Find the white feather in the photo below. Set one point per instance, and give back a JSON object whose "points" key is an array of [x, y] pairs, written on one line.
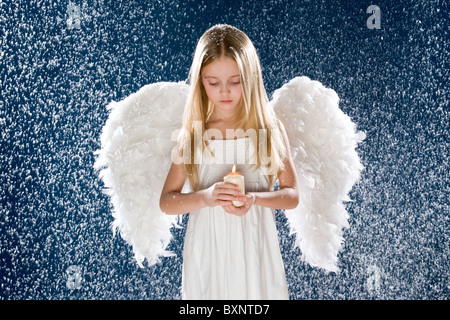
{"points": [[134, 160], [135, 157], [323, 143]]}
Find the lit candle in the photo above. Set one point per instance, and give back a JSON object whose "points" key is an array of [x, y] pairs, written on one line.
{"points": [[237, 179]]}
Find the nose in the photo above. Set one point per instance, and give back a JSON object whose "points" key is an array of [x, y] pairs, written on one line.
{"points": [[225, 88]]}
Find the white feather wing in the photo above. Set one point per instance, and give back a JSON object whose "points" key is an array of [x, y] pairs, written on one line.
{"points": [[323, 143], [134, 159]]}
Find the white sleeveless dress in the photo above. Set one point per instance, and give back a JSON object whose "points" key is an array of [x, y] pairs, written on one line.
{"points": [[230, 257]]}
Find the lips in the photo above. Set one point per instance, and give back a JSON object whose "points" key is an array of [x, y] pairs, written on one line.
{"points": [[226, 101]]}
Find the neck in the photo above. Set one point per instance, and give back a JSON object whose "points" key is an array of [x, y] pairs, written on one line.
{"points": [[224, 117]]}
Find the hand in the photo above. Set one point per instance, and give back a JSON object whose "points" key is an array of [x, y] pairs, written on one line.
{"points": [[247, 199], [222, 194]]}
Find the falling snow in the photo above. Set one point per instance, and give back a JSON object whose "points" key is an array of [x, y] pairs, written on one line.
{"points": [[62, 62]]}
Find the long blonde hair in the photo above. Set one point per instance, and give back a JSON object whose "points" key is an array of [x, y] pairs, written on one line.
{"points": [[255, 113]]}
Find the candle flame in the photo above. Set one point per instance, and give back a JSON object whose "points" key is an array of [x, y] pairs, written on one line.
{"points": [[234, 168]]}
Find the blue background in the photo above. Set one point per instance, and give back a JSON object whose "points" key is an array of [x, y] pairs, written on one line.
{"points": [[57, 75]]}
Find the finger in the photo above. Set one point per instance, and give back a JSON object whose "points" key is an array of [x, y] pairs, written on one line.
{"points": [[226, 190], [228, 207], [227, 193], [223, 203], [237, 211], [230, 186], [227, 197], [247, 199]]}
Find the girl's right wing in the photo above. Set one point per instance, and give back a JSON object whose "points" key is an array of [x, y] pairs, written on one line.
{"points": [[136, 153]]}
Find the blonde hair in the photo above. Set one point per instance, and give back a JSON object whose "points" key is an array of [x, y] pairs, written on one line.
{"points": [[255, 113]]}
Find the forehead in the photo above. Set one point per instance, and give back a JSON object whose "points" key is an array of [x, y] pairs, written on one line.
{"points": [[223, 67]]}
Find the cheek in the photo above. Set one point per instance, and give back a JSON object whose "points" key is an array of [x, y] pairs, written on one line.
{"points": [[237, 92], [213, 93], [209, 92]]}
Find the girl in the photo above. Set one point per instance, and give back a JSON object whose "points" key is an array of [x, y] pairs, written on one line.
{"points": [[230, 252]]}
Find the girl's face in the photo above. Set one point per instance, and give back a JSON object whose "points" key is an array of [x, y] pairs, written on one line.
{"points": [[222, 84]]}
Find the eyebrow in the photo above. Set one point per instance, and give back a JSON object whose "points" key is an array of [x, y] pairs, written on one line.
{"points": [[209, 77]]}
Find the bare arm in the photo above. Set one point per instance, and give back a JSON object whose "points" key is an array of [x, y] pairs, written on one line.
{"points": [[172, 201], [287, 196]]}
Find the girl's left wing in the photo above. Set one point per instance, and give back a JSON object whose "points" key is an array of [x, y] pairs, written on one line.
{"points": [[135, 156], [323, 142]]}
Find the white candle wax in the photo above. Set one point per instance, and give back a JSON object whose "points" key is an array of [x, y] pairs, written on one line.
{"points": [[237, 179]]}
